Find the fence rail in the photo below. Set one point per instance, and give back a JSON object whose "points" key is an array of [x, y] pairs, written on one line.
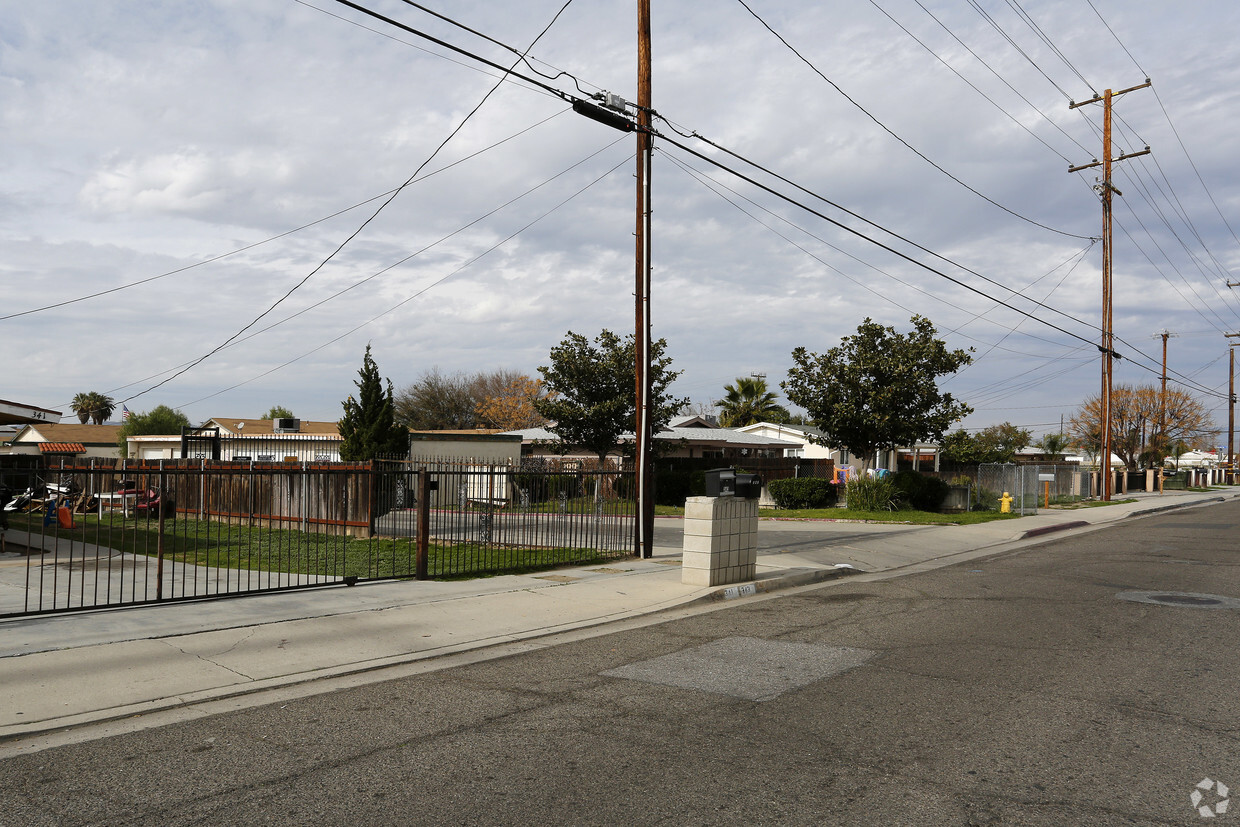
{"points": [[88, 537]]}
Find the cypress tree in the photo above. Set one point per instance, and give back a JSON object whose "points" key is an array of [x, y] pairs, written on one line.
{"points": [[369, 425]]}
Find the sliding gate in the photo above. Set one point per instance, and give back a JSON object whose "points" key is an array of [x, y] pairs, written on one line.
{"points": [[85, 537]]}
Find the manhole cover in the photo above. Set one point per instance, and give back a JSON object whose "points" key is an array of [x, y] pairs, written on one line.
{"points": [[1188, 600]]}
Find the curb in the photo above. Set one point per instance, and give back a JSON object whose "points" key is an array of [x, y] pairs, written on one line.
{"points": [[1172, 507], [1037, 532], [795, 578]]}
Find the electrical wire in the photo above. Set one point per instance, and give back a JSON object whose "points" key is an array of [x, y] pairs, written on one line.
{"points": [[978, 90], [711, 184], [892, 133], [417, 294], [278, 236], [356, 232]]}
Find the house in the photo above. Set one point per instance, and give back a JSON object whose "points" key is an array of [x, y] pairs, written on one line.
{"points": [[238, 439], [923, 456], [693, 436], [67, 441], [304, 440]]}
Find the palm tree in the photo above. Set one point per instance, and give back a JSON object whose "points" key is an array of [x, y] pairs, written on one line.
{"points": [[81, 405], [101, 407], [748, 401], [1053, 444]]}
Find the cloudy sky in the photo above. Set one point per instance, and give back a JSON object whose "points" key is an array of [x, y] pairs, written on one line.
{"points": [[193, 165]]}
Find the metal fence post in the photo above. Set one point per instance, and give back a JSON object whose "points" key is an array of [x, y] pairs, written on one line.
{"points": [[159, 539], [424, 523]]}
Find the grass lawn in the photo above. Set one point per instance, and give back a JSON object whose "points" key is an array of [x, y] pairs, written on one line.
{"points": [[216, 544]]}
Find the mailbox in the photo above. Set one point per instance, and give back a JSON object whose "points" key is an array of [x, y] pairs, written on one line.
{"points": [[748, 486], [727, 482], [720, 482]]}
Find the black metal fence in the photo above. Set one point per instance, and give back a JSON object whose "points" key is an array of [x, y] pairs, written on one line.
{"points": [[81, 537]]}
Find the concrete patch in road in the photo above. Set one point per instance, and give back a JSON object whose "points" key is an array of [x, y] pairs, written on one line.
{"points": [[749, 668]]}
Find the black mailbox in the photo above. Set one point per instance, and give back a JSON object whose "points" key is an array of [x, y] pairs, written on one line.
{"points": [[721, 482], [748, 486]]}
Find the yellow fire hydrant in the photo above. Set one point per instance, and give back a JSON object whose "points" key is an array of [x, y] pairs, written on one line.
{"points": [[1005, 503]]}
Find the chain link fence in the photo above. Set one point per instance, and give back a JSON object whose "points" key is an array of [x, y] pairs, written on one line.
{"points": [[1030, 486]]}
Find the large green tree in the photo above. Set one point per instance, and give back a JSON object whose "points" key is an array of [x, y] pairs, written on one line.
{"points": [[878, 389], [158, 420], [591, 392], [748, 401], [278, 412], [369, 426], [996, 443]]}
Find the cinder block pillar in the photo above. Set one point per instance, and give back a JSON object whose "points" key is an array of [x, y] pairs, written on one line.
{"points": [[721, 541]]}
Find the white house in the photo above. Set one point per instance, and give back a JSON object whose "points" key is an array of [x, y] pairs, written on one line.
{"points": [[692, 436]]}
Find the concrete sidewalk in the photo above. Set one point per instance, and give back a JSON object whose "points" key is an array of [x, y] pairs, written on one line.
{"points": [[62, 672]]}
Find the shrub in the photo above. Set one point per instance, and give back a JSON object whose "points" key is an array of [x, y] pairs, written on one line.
{"points": [[802, 492], [872, 494], [921, 492], [673, 487]]}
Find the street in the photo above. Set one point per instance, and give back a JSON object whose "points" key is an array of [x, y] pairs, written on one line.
{"points": [[1088, 680]]}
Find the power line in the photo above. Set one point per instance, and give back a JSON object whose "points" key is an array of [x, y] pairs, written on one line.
{"points": [[278, 236], [356, 232], [417, 294], [974, 87], [890, 132]]}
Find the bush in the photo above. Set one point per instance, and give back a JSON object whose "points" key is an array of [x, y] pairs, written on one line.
{"points": [[921, 492], [673, 487], [803, 492], [872, 494]]}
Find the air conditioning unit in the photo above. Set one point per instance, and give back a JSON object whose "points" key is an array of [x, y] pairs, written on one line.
{"points": [[287, 426]]}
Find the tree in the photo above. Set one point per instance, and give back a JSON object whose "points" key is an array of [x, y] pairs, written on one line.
{"points": [[369, 426], [878, 389], [92, 406], [1135, 418], [158, 420], [511, 407], [997, 443], [278, 412], [591, 391], [438, 401], [1054, 444], [81, 405], [748, 401]]}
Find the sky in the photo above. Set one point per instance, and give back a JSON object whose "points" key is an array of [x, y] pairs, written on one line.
{"points": [[212, 179]]}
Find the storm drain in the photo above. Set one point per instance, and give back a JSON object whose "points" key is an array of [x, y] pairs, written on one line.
{"points": [[1188, 600], [745, 667]]}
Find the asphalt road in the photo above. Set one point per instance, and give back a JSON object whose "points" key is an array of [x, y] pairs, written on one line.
{"points": [[1040, 687]]}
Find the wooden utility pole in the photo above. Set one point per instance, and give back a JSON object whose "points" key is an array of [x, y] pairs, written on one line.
{"points": [[644, 467], [1231, 411], [1106, 188], [1162, 400], [1231, 416]]}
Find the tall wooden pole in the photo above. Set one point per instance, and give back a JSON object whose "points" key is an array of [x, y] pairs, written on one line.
{"points": [[1231, 417], [1107, 346], [1108, 338], [644, 539]]}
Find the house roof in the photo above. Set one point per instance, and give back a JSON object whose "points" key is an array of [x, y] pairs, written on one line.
{"points": [[17, 413], [698, 435], [241, 426], [805, 430], [69, 432], [61, 448]]}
